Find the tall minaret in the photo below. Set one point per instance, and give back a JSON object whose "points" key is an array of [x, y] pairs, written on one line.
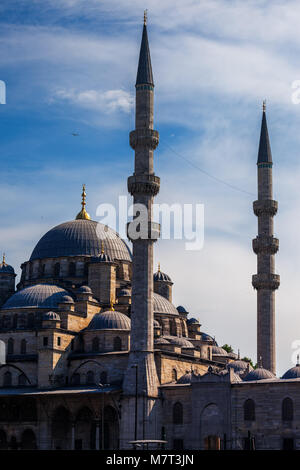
{"points": [[141, 383], [265, 245]]}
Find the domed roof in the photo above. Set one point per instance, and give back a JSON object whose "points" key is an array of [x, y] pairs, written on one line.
{"points": [[186, 378], [180, 341], [81, 237], [181, 309], [161, 340], [39, 296], [102, 258], [124, 293], [162, 305], [192, 321], [159, 276], [259, 374], [235, 377], [49, 316], [206, 337], [217, 351], [239, 366], [6, 268], [66, 299], [84, 290], [293, 373], [156, 324], [110, 320]]}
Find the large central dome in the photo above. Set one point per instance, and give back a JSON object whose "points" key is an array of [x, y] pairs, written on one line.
{"points": [[81, 237]]}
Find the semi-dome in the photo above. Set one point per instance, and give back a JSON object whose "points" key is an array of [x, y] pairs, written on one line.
{"points": [[179, 341], [181, 309], [217, 351], [293, 373], [161, 340], [67, 299], [239, 366], [84, 290], [162, 305], [39, 296], [81, 237], [259, 374], [51, 316], [192, 321], [110, 320], [206, 337], [185, 378]]}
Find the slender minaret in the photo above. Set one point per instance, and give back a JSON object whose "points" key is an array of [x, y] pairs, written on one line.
{"points": [[265, 245], [141, 383]]}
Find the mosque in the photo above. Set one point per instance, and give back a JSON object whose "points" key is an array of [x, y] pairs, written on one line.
{"points": [[98, 356]]}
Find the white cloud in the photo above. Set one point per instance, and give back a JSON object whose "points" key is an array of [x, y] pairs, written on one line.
{"points": [[107, 102]]}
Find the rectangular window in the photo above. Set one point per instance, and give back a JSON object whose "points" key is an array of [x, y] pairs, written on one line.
{"points": [[58, 341], [45, 341]]}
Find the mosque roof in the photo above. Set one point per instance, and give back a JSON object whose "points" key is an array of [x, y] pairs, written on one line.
{"points": [[239, 366], [38, 295], [6, 268], [293, 373], [259, 374], [162, 305], [160, 276], [110, 320], [179, 341], [81, 237], [218, 351], [51, 316]]}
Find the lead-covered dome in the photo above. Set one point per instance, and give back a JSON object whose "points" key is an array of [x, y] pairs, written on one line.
{"points": [[218, 351], [293, 373], [259, 374], [239, 367], [81, 237], [162, 305], [110, 320], [39, 296], [179, 341]]}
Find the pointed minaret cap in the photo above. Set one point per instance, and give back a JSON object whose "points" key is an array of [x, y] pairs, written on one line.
{"points": [[144, 73], [264, 151], [83, 215]]}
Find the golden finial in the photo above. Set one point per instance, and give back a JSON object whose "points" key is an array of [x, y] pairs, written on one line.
{"points": [[83, 213], [158, 267], [145, 17], [3, 260], [264, 105], [112, 305], [102, 247]]}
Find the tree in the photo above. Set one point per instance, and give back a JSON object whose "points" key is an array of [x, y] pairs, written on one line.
{"points": [[247, 359], [227, 348]]}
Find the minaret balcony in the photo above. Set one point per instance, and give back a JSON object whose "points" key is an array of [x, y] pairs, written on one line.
{"points": [[144, 138], [143, 184], [265, 244], [265, 206], [266, 281], [143, 231]]}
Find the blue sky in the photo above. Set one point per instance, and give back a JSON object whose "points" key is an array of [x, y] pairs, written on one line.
{"points": [[70, 66]]}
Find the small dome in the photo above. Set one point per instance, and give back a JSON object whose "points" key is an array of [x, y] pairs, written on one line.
{"points": [[182, 342], [236, 377], [84, 290], [192, 321], [162, 305], [102, 258], [156, 324], [181, 309], [51, 316], [259, 374], [186, 378], [293, 373], [6, 268], [124, 293], [38, 295], [159, 276], [239, 366], [110, 320], [217, 351], [206, 337], [66, 299], [161, 340]]}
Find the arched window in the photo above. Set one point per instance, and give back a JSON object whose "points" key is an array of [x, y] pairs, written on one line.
{"points": [[173, 331], [42, 270], [177, 413], [90, 377], [174, 375], [22, 379], [28, 440], [249, 410], [76, 379], [117, 344], [72, 269], [23, 346], [287, 409], [10, 346], [95, 345], [7, 379], [15, 320], [103, 377], [56, 269], [30, 320]]}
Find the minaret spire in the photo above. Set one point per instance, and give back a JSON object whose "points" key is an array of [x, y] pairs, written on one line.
{"points": [[265, 245], [141, 378]]}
